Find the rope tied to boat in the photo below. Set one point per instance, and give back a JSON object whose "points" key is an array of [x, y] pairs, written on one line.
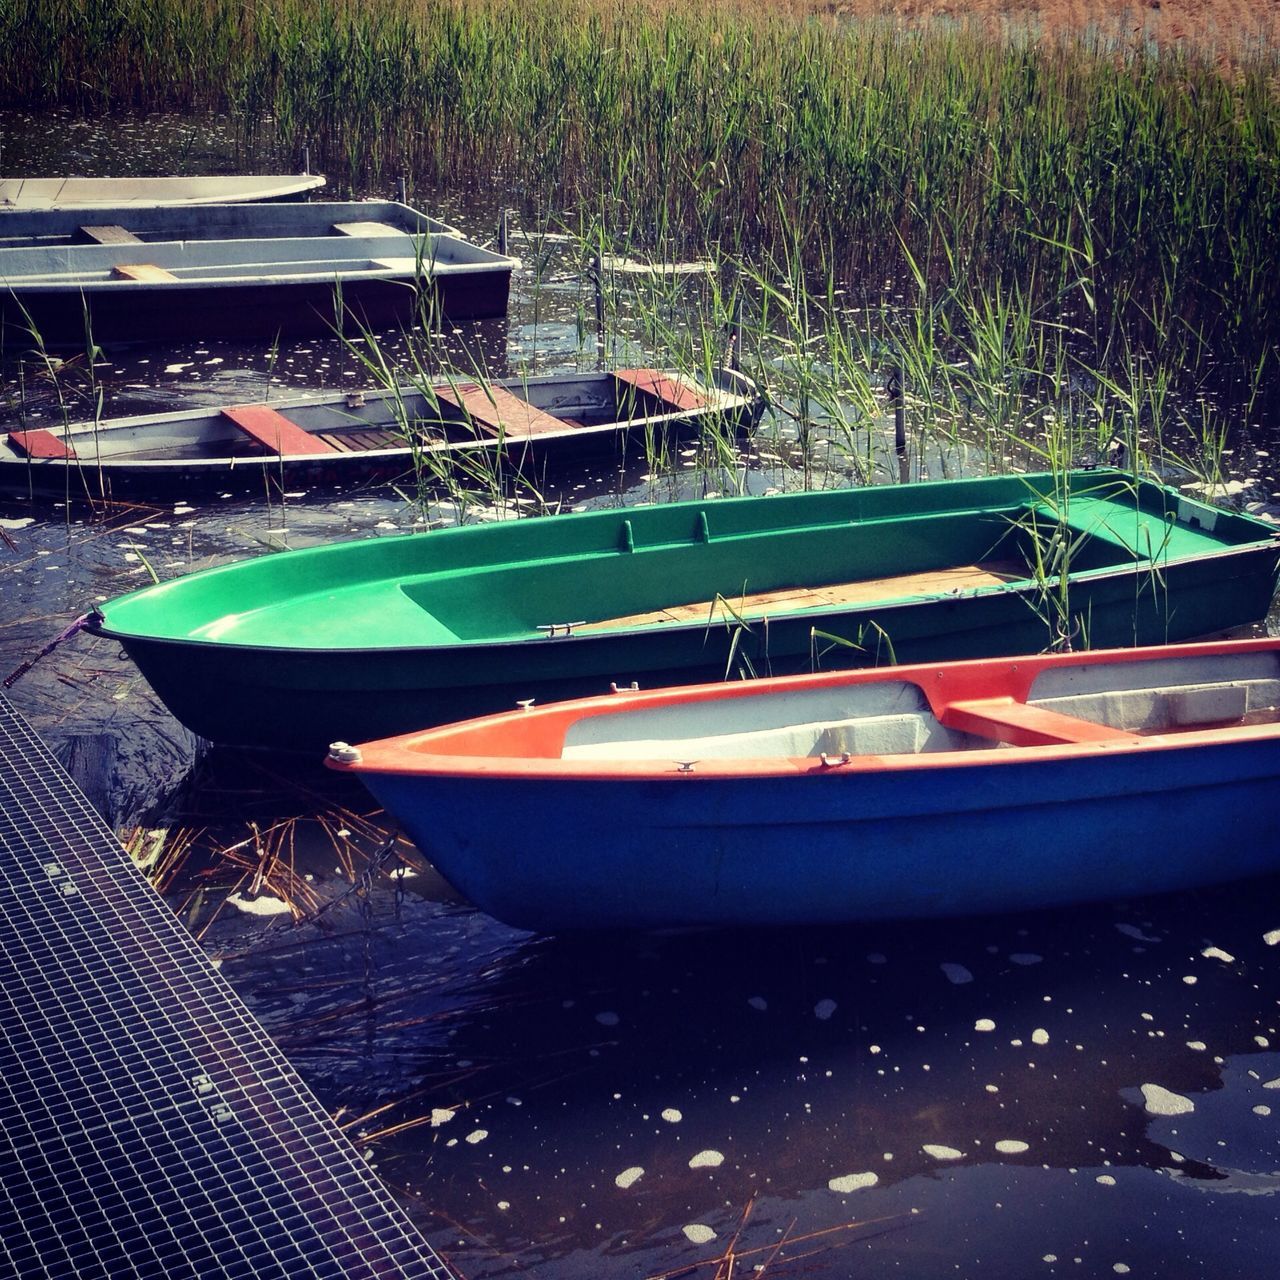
{"points": [[21, 670]]}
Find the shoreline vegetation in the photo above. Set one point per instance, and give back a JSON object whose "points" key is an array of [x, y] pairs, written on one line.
{"points": [[1037, 211]]}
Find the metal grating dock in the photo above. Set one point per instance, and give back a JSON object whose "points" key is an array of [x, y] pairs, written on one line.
{"points": [[148, 1125]]}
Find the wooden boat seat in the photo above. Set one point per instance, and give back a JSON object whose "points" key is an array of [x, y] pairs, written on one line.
{"points": [[675, 395], [109, 234], [367, 229], [1020, 725], [275, 431], [361, 439], [934, 581], [499, 412], [40, 444], [143, 272]]}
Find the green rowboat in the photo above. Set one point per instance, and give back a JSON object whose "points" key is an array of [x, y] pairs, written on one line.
{"points": [[366, 639]]}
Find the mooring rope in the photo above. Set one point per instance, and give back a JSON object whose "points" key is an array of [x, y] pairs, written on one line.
{"points": [[21, 670]]}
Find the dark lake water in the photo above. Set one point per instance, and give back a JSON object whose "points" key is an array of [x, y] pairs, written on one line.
{"points": [[1092, 1092]]}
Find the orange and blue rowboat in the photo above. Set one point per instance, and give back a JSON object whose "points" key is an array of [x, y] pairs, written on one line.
{"points": [[915, 791]]}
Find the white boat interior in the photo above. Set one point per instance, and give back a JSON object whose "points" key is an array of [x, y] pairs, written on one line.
{"points": [[894, 717], [215, 262]]}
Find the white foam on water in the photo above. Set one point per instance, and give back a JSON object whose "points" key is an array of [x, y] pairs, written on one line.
{"points": [[629, 1177], [1271, 937], [1198, 1045], [19, 523], [1105, 1179], [957, 973], [758, 1002], [824, 1009], [1026, 958], [1217, 953], [1262, 1110], [608, 1018], [707, 1160], [1039, 1036], [697, 1233], [1272, 1084], [941, 1153], [852, 1182], [1262, 1042], [1159, 1101], [984, 1024], [441, 1115], [672, 1116], [477, 1135], [1190, 979], [263, 905], [1012, 1146]]}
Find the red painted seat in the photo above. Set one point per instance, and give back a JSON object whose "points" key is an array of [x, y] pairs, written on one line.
{"points": [[275, 431], [40, 444], [499, 411], [674, 393]]}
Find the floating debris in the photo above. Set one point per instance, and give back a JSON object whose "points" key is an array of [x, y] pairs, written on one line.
{"points": [[1160, 1101], [707, 1160], [853, 1182]]}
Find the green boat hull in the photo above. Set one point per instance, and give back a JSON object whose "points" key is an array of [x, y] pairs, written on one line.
{"points": [[362, 640]]}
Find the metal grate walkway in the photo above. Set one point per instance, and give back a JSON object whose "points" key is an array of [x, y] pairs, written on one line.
{"points": [[148, 1125]]}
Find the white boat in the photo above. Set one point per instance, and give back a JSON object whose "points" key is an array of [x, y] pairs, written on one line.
{"points": [[61, 193]]}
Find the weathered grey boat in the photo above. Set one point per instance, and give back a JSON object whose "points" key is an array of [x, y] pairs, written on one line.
{"points": [[329, 438], [128, 224], [237, 270], [56, 193]]}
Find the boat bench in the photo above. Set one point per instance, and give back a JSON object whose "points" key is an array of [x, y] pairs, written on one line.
{"points": [[1023, 725], [143, 272], [275, 431], [498, 412], [40, 444], [367, 229], [109, 234], [676, 396]]}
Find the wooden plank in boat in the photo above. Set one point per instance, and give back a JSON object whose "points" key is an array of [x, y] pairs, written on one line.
{"points": [[275, 431], [673, 392], [107, 234], [143, 272], [40, 444], [497, 410], [1007, 720], [367, 229], [358, 441], [865, 591]]}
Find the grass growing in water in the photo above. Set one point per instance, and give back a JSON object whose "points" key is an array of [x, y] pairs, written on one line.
{"points": [[1136, 177]]}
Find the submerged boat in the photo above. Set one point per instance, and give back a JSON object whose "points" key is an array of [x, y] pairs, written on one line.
{"points": [[126, 273], [918, 791], [363, 639], [338, 438], [58, 193]]}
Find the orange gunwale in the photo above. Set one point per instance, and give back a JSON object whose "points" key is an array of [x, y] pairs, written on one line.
{"points": [[954, 691]]}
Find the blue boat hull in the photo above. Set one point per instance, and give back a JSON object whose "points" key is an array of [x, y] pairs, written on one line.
{"points": [[836, 846]]}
